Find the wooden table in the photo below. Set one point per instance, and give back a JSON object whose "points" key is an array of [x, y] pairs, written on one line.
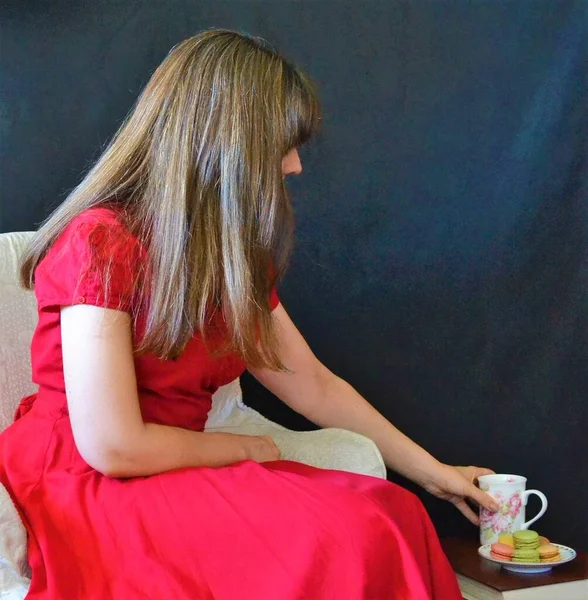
{"points": [[482, 580]]}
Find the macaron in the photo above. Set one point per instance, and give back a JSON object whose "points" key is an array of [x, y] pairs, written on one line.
{"points": [[543, 541], [525, 555], [549, 553], [506, 538], [526, 539], [501, 551]]}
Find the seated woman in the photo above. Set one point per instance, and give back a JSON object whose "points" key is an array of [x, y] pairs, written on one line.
{"points": [[155, 284]]}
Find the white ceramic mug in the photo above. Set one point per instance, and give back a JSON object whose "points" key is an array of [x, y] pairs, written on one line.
{"points": [[509, 492]]}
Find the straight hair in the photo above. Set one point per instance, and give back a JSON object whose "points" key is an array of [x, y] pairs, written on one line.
{"points": [[195, 170]]}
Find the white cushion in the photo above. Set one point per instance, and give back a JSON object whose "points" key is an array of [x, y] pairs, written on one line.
{"points": [[325, 448], [18, 317]]}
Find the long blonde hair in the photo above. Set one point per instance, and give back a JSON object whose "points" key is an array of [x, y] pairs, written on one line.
{"points": [[196, 170]]}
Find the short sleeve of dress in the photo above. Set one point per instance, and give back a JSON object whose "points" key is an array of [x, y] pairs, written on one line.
{"points": [[96, 260]]}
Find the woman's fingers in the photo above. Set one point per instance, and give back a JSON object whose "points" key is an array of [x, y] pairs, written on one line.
{"points": [[479, 471], [483, 499], [467, 512]]}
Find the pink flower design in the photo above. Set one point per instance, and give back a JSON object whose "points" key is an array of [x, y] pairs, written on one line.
{"points": [[515, 504], [501, 522], [486, 518]]}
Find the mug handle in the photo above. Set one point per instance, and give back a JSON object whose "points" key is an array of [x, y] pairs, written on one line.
{"points": [[543, 506]]}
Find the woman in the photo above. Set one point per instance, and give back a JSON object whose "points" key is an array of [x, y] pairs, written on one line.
{"points": [[155, 285]]}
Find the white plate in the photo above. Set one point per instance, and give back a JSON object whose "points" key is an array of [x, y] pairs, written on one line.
{"points": [[567, 554]]}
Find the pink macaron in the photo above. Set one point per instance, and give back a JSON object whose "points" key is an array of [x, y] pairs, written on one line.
{"points": [[501, 551]]}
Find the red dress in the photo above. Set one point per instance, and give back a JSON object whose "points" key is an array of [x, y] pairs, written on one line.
{"points": [[273, 531]]}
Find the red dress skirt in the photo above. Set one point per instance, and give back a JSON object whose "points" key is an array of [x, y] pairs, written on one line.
{"points": [[272, 531]]}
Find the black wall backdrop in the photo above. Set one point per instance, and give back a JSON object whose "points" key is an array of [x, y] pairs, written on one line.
{"points": [[442, 215]]}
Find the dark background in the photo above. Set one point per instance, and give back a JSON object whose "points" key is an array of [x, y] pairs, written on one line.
{"points": [[442, 216]]}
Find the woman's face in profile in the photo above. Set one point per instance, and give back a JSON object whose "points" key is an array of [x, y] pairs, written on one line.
{"points": [[291, 164]]}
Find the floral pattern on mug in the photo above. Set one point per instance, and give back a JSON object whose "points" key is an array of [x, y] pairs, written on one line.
{"points": [[493, 524], [515, 503]]}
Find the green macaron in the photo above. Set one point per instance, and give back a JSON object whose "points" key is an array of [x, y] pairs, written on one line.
{"points": [[526, 555], [526, 539]]}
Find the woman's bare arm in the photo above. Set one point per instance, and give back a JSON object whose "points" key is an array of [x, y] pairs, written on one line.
{"points": [[102, 397], [314, 391]]}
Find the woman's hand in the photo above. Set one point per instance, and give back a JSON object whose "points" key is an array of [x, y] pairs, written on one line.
{"points": [[456, 484], [261, 448]]}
